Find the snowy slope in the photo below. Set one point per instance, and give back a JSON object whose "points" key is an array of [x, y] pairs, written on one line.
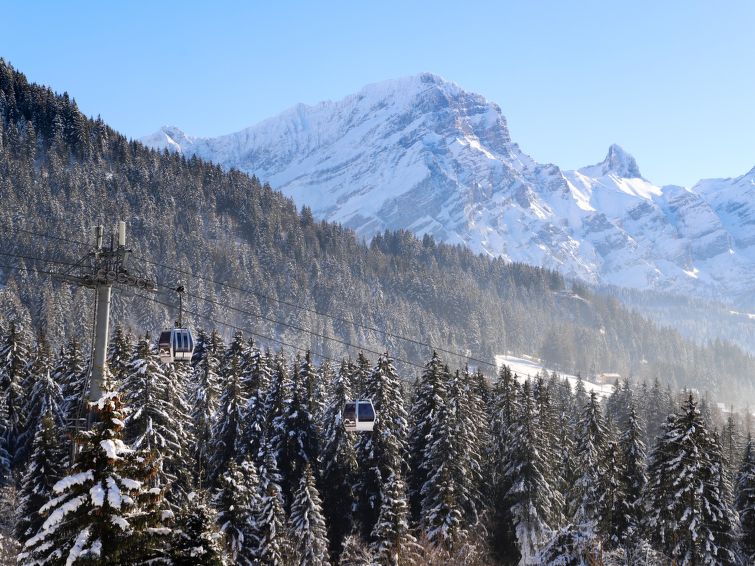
{"points": [[528, 368], [423, 154]]}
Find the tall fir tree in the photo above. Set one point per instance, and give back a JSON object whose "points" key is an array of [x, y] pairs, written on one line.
{"points": [[394, 544], [532, 500], [43, 471], [15, 358], [634, 475], [589, 456], [158, 423], [204, 393], [119, 355], [275, 547], [237, 499], [228, 422], [101, 510], [338, 463], [308, 528], [429, 396], [381, 454], [744, 501], [255, 385], [686, 513]]}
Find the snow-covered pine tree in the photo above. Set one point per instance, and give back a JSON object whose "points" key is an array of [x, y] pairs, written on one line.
{"points": [[441, 516], [355, 552], [338, 463], [468, 396], [44, 469], [275, 547], [195, 540], [119, 355], [614, 507], [505, 407], [634, 476], [429, 396], [381, 454], [686, 515], [238, 502], [15, 358], [70, 374], [312, 394], [308, 529], [45, 394], [394, 545], [101, 510], [547, 422], [731, 443], [531, 499], [204, 393], [255, 384], [294, 434], [584, 496], [228, 422], [744, 501], [158, 423]]}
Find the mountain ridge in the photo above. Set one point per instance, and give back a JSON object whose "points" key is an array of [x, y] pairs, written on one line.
{"points": [[421, 153]]}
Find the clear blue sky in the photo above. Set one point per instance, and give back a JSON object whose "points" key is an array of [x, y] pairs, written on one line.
{"points": [[671, 81]]}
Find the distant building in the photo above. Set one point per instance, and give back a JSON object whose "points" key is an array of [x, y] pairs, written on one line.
{"points": [[607, 378]]}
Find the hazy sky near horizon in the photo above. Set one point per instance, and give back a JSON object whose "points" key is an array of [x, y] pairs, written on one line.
{"points": [[672, 82]]}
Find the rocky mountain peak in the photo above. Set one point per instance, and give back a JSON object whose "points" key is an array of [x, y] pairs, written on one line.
{"points": [[617, 162]]}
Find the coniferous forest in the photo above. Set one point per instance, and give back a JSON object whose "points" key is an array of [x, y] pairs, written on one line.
{"points": [[241, 457]]}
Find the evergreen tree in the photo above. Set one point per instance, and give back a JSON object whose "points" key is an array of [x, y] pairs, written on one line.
{"points": [[45, 396], [205, 393], [686, 513], [227, 432], [239, 505], [293, 430], [531, 499], [15, 358], [634, 476], [355, 552], [119, 355], [275, 547], [394, 544], [254, 386], [195, 541], [43, 471], [102, 509], [381, 454], [159, 422], [614, 508], [429, 396], [308, 524], [745, 501], [591, 441], [441, 514], [338, 463], [72, 377]]}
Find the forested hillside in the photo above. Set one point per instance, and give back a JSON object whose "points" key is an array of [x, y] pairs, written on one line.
{"points": [[241, 458], [61, 172]]}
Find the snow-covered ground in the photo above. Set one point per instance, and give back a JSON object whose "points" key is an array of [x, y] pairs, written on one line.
{"points": [[526, 366]]}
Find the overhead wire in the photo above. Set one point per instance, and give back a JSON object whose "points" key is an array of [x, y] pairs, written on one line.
{"points": [[293, 326], [259, 294], [317, 312]]}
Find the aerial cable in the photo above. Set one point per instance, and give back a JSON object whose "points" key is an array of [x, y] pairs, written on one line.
{"points": [[283, 302], [293, 326], [319, 313]]}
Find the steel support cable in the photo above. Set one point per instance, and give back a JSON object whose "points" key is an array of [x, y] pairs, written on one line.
{"points": [[293, 326]]}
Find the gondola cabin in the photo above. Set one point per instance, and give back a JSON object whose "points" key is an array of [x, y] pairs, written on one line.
{"points": [[358, 416], [176, 345]]}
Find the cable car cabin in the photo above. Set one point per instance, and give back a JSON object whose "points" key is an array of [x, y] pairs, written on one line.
{"points": [[176, 345], [358, 416]]}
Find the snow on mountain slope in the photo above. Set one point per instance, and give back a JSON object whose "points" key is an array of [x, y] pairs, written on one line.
{"points": [[423, 154]]}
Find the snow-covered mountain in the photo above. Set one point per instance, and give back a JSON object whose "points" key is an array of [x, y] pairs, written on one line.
{"points": [[423, 154]]}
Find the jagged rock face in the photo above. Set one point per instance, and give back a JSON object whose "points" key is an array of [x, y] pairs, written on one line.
{"points": [[422, 154]]}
